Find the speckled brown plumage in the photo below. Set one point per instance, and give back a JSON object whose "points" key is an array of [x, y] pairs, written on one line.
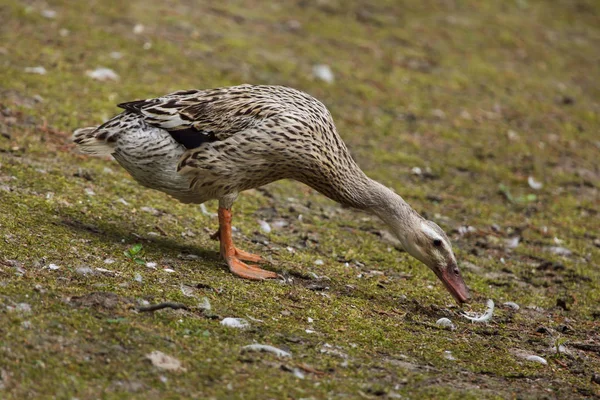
{"points": [[198, 145]]}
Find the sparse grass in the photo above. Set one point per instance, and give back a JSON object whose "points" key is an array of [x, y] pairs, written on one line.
{"points": [[480, 95]]}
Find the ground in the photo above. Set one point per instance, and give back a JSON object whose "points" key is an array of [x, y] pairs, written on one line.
{"points": [[461, 107]]}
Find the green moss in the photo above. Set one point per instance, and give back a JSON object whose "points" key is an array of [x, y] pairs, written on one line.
{"points": [[488, 67]]}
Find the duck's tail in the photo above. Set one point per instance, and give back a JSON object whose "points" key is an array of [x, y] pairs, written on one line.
{"points": [[88, 142]]}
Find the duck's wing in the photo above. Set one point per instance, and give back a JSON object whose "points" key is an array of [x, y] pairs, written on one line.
{"points": [[194, 117]]}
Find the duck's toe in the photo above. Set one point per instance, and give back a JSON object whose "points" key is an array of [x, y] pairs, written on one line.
{"points": [[246, 271]]}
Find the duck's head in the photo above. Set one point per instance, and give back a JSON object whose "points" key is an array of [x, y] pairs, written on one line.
{"points": [[429, 244]]}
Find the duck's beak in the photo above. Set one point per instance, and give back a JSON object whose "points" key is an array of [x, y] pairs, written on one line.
{"points": [[454, 282]]}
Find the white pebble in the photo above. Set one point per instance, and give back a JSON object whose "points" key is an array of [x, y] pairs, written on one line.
{"points": [[560, 251], [319, 262], [323, 72], [238, 323], [169, 270], [138, 29], [512, 242], [537, 359], [151, 264], [103, 74], [448, 355], [446, 323], [84, 270], [53, 267], [109, 261], [36, 70], [510, 304], [138, 278], [264, 226], [50, 14]]}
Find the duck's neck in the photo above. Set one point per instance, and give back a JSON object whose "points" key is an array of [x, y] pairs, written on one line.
{"points": [[361, 192]]}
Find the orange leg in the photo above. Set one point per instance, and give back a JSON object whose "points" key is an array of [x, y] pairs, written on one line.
{"points": [[233, 256]]}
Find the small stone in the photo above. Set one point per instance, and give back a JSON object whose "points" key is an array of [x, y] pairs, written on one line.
{"points": [[238, 323], [448, 355], [36, 70], [138, 29], [264, 226], [537, 359], [84, 271], [323, 72], [512, 135], [560, 251], [164, 361], [439, 114], [103, 74], [512, 242], [50, 14], [446, 323], [511, 305]]}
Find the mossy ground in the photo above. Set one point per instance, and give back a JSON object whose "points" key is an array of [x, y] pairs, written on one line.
{"points": [[476, 94]]}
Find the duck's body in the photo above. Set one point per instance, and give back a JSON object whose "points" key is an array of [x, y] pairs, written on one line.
{"points": [[199, 145]]}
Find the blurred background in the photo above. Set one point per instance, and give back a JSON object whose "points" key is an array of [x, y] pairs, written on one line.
{"points": [[484, 115]]}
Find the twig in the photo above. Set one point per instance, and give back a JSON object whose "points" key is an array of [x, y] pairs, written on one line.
{"points": [[308, 368], [160, 306], [586, 347], [161, 230]]}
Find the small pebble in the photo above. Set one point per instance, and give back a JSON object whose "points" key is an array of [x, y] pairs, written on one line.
{"points": [[264, 226], [103, 74], [50, 14], [323, 72], [537, 359], [36, 70], [512, 305], [448, 355], [446, 323], [238, 323], [138, 29]]}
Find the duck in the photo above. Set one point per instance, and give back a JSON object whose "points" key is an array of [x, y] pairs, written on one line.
{"points": [[204, 144]]}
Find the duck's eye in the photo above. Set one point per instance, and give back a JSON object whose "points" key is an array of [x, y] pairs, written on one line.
{"points": [[437, 242]]}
